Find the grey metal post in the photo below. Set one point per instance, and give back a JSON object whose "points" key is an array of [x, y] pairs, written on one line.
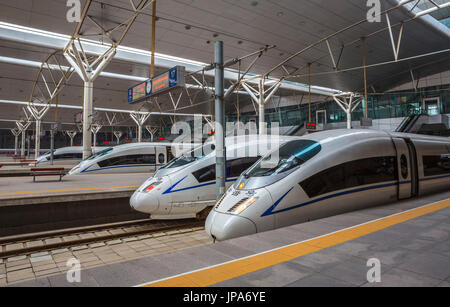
{"points": [[220, 121], [87, 118], [52, 143], [22, 148], [29, 145]]}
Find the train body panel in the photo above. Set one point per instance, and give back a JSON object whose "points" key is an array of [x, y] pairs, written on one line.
{"points": [[64, 156], [130, 158], [329, 173]]}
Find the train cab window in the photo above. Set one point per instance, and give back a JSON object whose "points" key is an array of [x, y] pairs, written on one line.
{"points": [[161, 158], [289, 156], [205, 174], [436, 165], [100, 153], [191, 156], [236, 167], [128, 160], [404, 166], [351, 174]]}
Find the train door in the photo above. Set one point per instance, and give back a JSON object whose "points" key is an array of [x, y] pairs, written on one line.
{"points": [[414, 168], [161, 157], [407, 172]]}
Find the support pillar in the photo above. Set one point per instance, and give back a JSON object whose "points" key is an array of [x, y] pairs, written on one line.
{"points": [[348, 102], [118, 135], [38, 114], [16, 133], [220, 121], [95, 128], [37, 147], [261, 109], [71, 135], [23, 126], [139, 119], [259, 97], [152, 132], [87, 118]]}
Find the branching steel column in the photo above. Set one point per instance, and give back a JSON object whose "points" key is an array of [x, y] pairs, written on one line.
{"points": [[220, 121], [118, 135], [16, 133], [95, 128], [38, 115], [140, 120], [23, 126], [261, 109], [348, 102], [89, 67], [152, 131]]}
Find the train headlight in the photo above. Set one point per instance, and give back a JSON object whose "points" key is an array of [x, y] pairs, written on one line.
{"points": [[150, 187], [242, 205], [220, 200]]}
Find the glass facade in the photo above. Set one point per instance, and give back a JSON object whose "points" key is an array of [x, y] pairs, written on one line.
{"points": [[389, 105]]}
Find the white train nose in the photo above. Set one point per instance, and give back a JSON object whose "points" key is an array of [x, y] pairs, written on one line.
{"points": [[144, 202], [222, 226]]}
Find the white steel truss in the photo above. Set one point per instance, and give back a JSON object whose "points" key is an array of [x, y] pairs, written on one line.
{"points": [[140, 120], [72, 134], [348, 102], [118, 135], [50, 80], [23, 125], [16, 133], [89, 66]]}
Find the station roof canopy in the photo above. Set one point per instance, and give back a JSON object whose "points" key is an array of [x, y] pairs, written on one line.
{"points": [[187, 29]]}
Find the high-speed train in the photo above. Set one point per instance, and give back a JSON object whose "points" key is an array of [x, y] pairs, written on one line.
{"points": [[64, 156], [186, 185], [130, 158], [328, 173]]}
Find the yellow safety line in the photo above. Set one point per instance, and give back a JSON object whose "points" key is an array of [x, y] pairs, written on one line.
{"points": [[222, 272], [69, 190]]}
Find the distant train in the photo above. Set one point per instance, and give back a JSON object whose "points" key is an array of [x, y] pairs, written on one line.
{"points": [[328, 173], [64, 156], [130, 158], [186, 186]]}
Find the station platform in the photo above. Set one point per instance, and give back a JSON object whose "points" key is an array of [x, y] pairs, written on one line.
{"points": [[27, 206], [410, 238], [12, 169], [22, 190]]}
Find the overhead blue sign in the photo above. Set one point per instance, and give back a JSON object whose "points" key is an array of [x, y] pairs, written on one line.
{"points": [[157, 85]]}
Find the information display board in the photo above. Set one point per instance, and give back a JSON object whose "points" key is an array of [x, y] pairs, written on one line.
{"points": [[311, 126], [169, 80]]}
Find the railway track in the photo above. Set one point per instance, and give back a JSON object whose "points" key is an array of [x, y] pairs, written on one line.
{"points": [[38, 242]]}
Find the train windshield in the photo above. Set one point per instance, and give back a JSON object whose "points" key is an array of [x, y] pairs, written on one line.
{"points": [[191, 156], [100, 153], [289, 156]]}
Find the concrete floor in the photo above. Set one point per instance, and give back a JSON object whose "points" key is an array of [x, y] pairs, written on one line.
{"points": [[412, 253]]}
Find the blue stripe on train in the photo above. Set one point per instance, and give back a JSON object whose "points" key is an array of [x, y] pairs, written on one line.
{"points": [[271, 211], [121, 166]]}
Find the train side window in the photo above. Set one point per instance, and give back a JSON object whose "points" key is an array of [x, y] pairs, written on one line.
{"points": [[351, 174], [128, 160], [161, 158], [205, 174], [404, 166], [236, 167], [436, 165]]}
